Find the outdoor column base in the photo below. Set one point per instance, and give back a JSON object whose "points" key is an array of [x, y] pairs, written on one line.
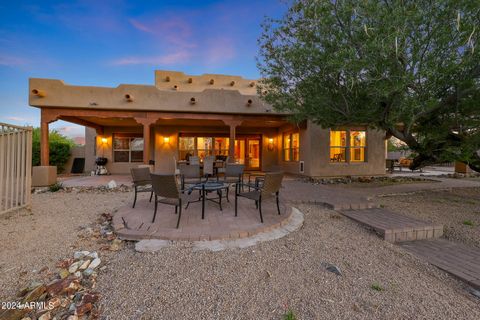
{"points": [[43, 176]]}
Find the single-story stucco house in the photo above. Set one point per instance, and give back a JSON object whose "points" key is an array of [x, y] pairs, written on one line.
{"points": [[210, 114]]}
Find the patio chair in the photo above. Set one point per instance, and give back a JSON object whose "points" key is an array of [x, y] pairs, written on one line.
{"points": [[208, 166], [271, 186], [233, 174], [166, 191], [189, 174], [194, 160], [141, 182]]}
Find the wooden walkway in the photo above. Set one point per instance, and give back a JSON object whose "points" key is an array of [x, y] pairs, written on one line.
{"points": [[457, 259], [394, 227]]}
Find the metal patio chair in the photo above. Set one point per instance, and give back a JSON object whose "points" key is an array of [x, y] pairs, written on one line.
{"points": [[189, 174], [271, 186], [141, 182], [167, 192], [233, 174]]}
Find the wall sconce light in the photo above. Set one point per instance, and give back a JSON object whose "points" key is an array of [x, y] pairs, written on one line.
{"points": [[166, 139], [212, 81], [129, 97], [39, 93], [104, 140], [270, 144], [167, 79], [252, 84], [249, 102], [232, 83], [190, 80], [193, 100]]}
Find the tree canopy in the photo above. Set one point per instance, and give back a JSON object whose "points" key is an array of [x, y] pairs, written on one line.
{"points": [[411, 68]]}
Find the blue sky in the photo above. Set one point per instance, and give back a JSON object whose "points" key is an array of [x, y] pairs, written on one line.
{"points": [[108, 42]]}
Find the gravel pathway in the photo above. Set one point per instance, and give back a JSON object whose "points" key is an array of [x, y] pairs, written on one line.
{"points": [[259, 282], [457, 209]]}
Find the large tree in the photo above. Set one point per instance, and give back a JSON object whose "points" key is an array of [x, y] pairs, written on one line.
{"points": [[409, 67]]}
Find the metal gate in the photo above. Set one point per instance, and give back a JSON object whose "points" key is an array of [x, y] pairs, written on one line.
{"points": [[15, 167]]}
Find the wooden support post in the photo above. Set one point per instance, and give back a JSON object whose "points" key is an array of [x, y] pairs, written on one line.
{"points": [[147, 125], [233, 126]]}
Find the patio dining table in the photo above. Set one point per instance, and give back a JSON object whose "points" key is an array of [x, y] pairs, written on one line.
{"points": [[205, 188]]}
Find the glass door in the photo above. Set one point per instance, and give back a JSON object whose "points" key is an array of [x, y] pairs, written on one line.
{"points": [[252, 157]]}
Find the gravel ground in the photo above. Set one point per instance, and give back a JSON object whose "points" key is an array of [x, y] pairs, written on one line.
{"points": [[454, 208], [259, 282]]}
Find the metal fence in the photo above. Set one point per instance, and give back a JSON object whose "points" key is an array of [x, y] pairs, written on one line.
{"points": [[15, 167]]}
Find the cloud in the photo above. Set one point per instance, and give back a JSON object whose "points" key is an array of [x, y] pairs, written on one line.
{"points": [[167, 59], [140, 26], [12, 61]]}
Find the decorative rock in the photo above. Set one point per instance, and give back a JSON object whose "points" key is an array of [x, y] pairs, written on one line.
{"points": [[63, 273], [34, 294], [332, 268], [59, 286], [78, 274], [93, 255], [46, 316], [88, 272], [74, 267], [83, 308], [54, 303], [72, 317], [85, 265], [112, 184], [95, 263], [72, 307], [115, 246]]}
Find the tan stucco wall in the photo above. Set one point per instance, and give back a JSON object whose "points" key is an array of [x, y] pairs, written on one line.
{"points": [[90, 152], [76, 152]]}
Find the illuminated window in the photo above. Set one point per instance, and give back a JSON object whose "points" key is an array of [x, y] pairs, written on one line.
{"points": [[291, 146], [186, 146], [338, 146], [127, 147], [191, 144], [358, 144], [348, 145]]}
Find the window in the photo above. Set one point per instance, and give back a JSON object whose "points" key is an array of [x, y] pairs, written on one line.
{"points": [[348, 145], [127, 147], [291, 146], [338, 146], [186, 145], [358, 144], [202, 146]]}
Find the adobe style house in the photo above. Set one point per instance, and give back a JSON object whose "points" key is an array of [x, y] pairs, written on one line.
{"points": [[185, 115]]}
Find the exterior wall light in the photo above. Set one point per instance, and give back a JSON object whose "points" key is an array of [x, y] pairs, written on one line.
{"points": [[270, 144], [129, 97], [212, 81], [39, 93], [249, 102], [166, 139], [104, 140], [193, 100]]}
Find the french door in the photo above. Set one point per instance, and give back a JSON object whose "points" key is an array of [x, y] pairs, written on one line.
{"points": [[248, 151]]}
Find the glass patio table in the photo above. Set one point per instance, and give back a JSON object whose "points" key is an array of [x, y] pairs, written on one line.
{"points": [[205, 188]]}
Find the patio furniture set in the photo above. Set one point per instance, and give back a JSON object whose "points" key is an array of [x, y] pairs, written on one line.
{"points": [[172, 189]]}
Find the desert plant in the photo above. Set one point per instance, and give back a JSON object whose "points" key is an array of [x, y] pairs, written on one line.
{"points": [[289, 315], [468, 223], [55, 187], [376, 287]]}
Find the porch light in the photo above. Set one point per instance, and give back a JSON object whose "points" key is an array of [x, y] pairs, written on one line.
{"points": [[104, 140], [166, 139], [39, 93], [129, 97], [270, 144], [193, 100]]}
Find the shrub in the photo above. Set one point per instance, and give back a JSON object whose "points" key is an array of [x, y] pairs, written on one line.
{"points": [[376, 287], [55, 187], [289, 315], [468, 223], [60, 147]]}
